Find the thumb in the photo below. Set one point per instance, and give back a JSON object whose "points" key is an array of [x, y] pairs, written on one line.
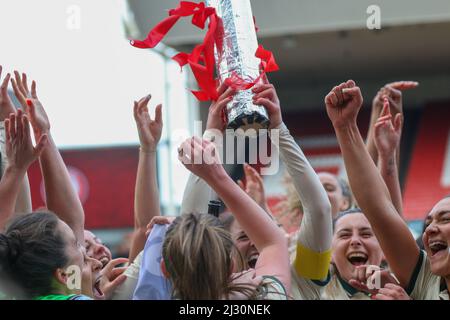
{"points": [[158, 114], [31, 109], [33, 90], [266, 103], [354, 92], [116, 282], [398, 122]]}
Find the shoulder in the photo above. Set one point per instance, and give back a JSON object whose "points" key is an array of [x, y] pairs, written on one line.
{"points": [[424, 285], [80, 297], [272, 289]]}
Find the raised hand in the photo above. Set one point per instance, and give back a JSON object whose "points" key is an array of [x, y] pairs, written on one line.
{"points": [[265, 95], [30, 102], [19, 147], [392, 292], [112, 276], [392, 91], [387, 134], [343, 104], [201, 158], [149, 130], [217, 111], [6, 104], [245, 279], [254, 186], [367, 278]]}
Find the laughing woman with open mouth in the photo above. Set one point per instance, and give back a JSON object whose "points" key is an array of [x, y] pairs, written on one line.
{"points": [[419, 272]]}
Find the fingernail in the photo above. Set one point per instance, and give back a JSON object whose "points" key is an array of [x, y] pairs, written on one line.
{"points": [[29, 102]]}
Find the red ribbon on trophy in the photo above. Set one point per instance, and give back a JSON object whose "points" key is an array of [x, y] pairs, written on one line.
{"points": [[202, 59]]}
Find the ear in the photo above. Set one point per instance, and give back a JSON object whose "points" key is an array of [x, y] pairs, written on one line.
{"points": [[61, 276], [164, 270]]}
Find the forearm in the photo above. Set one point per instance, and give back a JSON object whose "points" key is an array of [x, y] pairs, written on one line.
{"points": [[146, 201], [9, 190], [389, 172], [316, 229], [373, 197], [61, 196]]}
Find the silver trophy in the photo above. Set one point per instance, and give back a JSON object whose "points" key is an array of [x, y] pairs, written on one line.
{"points": [[237, 57]]}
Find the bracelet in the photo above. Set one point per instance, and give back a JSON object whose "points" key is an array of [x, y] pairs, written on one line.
{"points": [[147, 151]]}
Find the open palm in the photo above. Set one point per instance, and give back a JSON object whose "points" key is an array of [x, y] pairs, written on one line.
{"points": [[343, 103], [30, 102], [387, 134], [6, 105]]}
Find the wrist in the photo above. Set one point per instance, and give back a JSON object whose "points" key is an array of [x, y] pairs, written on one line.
{"points": [[147, 150], [376, 109], [217, 177], [345, 127], [276, 123]]}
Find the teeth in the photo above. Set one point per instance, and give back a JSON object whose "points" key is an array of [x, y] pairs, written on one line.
{"points": [[442, 243]]}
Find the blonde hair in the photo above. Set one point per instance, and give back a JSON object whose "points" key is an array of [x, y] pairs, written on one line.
{"points": [[198, 255], [287, 207]]}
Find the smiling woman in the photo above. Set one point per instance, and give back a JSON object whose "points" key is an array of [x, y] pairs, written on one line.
{"points": [[354, 245]]}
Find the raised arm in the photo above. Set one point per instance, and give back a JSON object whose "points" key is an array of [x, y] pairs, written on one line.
{"points": [[393, 91], [146, 198], [23, 203], [343, 104], [254, 187], [314, 242], [197, 192], [387, 141], [268, 238], [21, 154], [60, 195]]}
